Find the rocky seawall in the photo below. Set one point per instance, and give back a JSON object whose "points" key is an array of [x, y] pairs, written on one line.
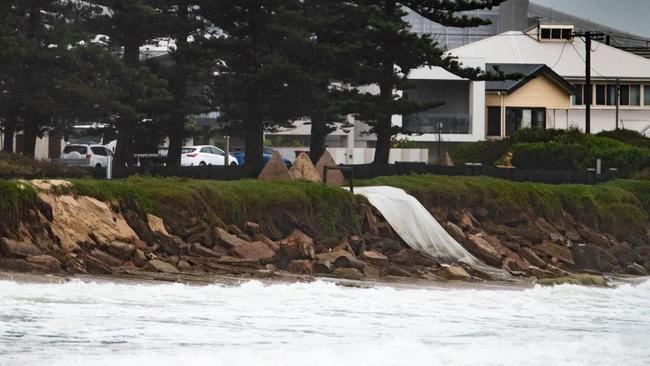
{"points": [[74, 234]]}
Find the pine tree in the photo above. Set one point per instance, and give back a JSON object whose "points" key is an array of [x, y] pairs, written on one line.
{"points": [[258, 82], [129, 24], [393, 49], [334, 37], [39, 40]]}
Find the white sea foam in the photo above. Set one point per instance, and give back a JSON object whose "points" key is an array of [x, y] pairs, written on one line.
{"points": [[80, 323]]}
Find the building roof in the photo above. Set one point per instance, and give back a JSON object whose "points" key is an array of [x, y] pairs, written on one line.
{"points": [[528, 72], [566, 58]]}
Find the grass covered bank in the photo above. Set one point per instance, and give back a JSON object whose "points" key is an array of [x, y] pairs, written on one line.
{"points": [[620, 207]]}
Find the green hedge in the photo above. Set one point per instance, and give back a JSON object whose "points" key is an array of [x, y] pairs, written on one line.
{"points": [[561, 150]]}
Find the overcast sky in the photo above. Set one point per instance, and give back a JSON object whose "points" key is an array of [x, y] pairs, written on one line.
{"points": [[627, 15]]}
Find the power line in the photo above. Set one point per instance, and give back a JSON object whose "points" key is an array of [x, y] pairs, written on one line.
{"points": [[561, 53]]}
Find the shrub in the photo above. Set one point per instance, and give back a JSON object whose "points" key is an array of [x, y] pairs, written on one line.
{"points": [[629, 137], [14, 166]]}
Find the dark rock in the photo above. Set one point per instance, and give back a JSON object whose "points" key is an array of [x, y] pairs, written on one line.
{"points": [[161, 266], [235, 230], [514, 246], [139, 259], [357, 243], [593, 237], [301, 266], [323, 266], [226, 239], [184, 266], [546, 228], [275, 247], [173, 260], [376, 259], [478, 246], [95, 265], [349, 273], [589, 257], [47, 261], [106, 258], [550, 249], [121, 250], [410, 257], [399, 271], [201, 251], [532, 258], [455, 231], [170, 245], [625, 254], [256, 250], [481, 212], [515, 264], [540, 273], [73, 265], [385, 231], [21, 265], [527, 233], [636, 269], [384, 245], [298, 246], [197, 229], [251, 228], [341, 258], [18, 249]]}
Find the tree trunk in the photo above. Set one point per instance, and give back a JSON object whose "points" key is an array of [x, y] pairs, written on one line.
{"points": [[124, 149], [29, 140], [383, 125], [318, 136], [179, 91], [254, 141], [9, 131]]}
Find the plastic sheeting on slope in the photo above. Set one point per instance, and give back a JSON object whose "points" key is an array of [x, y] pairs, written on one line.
{"points": [[418, 228]]}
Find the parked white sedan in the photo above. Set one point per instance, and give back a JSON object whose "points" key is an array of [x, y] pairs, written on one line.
{"points": [[205, 155]]}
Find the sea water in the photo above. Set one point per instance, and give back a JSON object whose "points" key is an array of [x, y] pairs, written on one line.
{"points": [[100, 323]]}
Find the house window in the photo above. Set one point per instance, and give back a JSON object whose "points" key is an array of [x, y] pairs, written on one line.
{"points": [[578, 98], [518, 118], [546, 33], [625, 95], [646, 95], [601, 94], [635, 95], [611, 94], [494, 121]]}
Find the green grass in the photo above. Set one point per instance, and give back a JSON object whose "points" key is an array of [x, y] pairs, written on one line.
{"points": [[16, 198], [323, 211]]}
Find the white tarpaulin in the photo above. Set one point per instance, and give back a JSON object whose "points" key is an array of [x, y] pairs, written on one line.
{"points": [[418, 228]]}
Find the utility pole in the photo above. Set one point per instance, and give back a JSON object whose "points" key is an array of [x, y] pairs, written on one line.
{"points": [[588, 88], [618, 98], [588, 36]]}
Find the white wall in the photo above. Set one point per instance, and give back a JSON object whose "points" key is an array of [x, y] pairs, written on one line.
{"points": [[362, 155]]}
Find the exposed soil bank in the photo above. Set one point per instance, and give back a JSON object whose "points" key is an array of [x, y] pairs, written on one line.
{"points": [[173, 229]]}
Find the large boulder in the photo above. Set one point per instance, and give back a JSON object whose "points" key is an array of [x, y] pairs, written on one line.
{"points": [[275, 169], [455, 231], [410, 257], [47, 261], [301, 266], [376, 259], [256, 250], [227, 239], [298, 245], [532, 258], [592, 257], [334, 176], [18, 249], [121, 250], [478, 246], [453, 273], [303, 169], [340, 259], [158, 265], [549, 249]]}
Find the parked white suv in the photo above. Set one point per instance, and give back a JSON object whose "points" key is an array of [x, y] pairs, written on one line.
{"points": [[205, 155], [95, 155]]}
